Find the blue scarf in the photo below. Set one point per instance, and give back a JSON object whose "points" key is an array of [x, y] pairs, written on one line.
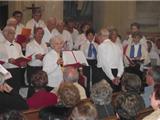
{"points": [[139, 54], [92, 50]]}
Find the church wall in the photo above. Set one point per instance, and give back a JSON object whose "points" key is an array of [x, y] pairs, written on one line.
{"points": [[49, 8], [114, 13]]}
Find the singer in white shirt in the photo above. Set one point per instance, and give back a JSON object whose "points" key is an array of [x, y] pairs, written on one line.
{"points": [[68, 42], [9, 51], [52, 62], [36, 21], [37, 49], [110, 58]]}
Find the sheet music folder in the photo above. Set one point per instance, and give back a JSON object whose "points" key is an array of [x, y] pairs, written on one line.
{"points": [[74, 58]]}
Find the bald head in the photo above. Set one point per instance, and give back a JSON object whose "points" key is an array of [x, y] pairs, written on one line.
{"points": [[12, 22], [70, 74], [51, 23]]}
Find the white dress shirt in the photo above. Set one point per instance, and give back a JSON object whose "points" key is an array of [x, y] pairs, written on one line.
{"points": [[79, 41], [74, 34], [34, 48], [110, 56], [85, 48], [32, 23], [2, 38], [54, 71], [8, 51], [68, 42], [19, 28]]}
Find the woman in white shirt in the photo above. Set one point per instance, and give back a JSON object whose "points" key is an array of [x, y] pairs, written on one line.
{"points": [[52, 62]]}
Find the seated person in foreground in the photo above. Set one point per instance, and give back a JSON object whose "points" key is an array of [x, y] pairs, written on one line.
{"points": [[101, 94], [127, 106], [68, 94], [131, 83], [84, 110], [41, 97], [11, 115], [155, 103], [10, 99], [68, 98], [70, 74]]}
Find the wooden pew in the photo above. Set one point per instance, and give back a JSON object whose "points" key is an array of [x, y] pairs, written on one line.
{"points": [[32, 114]]}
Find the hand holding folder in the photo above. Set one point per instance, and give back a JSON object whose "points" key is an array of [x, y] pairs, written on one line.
{"points": [[74, 58], [22, 61]]}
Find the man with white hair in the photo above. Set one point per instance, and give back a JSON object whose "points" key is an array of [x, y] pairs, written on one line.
{"points": [[10, 22], [68, 42], [110, 59], [50, 26], [36, 21], [9, 52]]}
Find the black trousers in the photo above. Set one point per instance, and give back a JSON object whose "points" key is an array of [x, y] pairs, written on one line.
{"points": [[17, 77], [100, 74]]}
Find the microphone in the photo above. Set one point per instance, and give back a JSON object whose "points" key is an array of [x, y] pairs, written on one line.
{"points": [[61, 55]]}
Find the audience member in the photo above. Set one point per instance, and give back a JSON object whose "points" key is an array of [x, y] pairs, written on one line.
{"points": [[153, 55], [127, 105], [84, 110], [52, 62], [101, 94], [41, 98], [152, 78], [131, 83], [54, 113], [12, 115], [70, 74], [10, 99], [68, 94], [155, 103]]}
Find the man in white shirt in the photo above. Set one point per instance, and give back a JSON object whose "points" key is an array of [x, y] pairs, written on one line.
{"points": [[50, 25], [36, 21], [9, 52], [81, 38], [18, 15], [70, 74], [70, 28], [110, 59], [68, 42]]}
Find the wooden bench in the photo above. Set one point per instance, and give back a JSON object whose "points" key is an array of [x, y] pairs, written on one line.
{"points": [[32, 114]]}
